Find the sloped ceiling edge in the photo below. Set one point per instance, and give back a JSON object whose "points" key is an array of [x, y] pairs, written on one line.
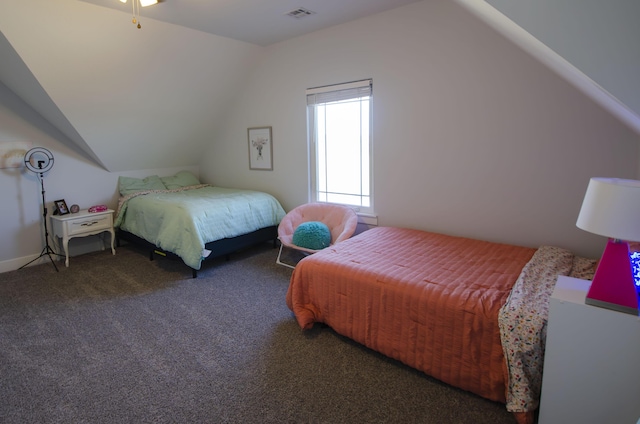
{"points": [[17, 77], [130, 99], [512, 31]]}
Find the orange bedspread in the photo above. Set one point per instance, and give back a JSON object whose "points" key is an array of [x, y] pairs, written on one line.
{"points": [[428, 300]]}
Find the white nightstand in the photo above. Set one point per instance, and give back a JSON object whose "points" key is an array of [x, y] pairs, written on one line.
{"points": [[82, 224], [592, 361]]}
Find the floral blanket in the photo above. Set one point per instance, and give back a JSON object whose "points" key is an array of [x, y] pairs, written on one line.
{"points": [[523, 321]]}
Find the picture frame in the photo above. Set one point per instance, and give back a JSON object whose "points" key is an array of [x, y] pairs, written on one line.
{"points": [[61, 207], [260, 148]]}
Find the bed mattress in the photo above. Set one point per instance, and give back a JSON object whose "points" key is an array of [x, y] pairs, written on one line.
{"points": [[182, 221], [428, 300]]}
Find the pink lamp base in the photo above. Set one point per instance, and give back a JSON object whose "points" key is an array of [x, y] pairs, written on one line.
{"points": [[613, 286]]}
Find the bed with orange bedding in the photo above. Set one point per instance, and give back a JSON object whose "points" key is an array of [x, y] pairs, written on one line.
{"points": [[458, 309]]}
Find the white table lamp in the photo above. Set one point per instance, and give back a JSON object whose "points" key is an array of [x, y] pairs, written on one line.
{"points": [[611, 208]]}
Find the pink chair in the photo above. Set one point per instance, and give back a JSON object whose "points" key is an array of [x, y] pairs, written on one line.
{"points": [[341, 220]]}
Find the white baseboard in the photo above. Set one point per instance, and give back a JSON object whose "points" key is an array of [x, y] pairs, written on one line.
{"points": [[77, 246], [13, 264]]}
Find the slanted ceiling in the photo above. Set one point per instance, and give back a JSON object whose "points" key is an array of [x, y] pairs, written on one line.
{"points": [[138, 99], [599, 38], [129, 99]]}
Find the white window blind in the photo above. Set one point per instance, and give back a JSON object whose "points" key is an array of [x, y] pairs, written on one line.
{"points": [[335, 93]]}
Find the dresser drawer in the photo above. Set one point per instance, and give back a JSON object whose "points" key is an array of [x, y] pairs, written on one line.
{"points": [[86, 224]]}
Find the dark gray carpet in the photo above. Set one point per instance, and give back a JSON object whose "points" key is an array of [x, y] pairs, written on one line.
{"points": [[121, 339]]}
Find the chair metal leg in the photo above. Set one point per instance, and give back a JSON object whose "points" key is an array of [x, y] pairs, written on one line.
{"points": [[279, 262]]}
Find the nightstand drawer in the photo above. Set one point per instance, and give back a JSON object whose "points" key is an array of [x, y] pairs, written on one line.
{"points": [[85, 224]]}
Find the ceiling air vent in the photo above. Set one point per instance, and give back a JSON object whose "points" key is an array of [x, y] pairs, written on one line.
{"points": [[300, 13]]}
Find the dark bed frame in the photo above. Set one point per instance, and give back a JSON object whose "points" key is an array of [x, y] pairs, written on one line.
{"points": [[218, 248]]}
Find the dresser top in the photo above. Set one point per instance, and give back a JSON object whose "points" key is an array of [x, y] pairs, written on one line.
{"points": [[571, 289], [84, 213]]}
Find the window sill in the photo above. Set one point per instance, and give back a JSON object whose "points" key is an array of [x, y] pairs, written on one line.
{"points": [[367, 219]]}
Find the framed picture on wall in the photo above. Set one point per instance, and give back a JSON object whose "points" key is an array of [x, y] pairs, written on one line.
{"points": [[260, 148]]}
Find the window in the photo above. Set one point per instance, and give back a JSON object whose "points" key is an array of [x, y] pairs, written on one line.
{"points": [[339, 119]]}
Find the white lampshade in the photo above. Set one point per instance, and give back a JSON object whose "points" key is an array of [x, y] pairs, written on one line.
{"points": [[611, 208]]}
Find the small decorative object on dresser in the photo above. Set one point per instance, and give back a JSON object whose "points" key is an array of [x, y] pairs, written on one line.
{"points": [[61, 207], [74, 208], [98, 208]]}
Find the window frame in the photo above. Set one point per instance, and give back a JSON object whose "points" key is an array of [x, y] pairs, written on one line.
{"points": [[329, 94]]}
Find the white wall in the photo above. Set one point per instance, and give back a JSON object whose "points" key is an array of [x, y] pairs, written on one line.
{"points": [[72, 178], [472, 136], [600, 38], [155, 94]]}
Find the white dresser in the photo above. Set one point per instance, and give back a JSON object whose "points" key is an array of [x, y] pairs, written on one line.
{"points": [[82, 224], [592, 361]]}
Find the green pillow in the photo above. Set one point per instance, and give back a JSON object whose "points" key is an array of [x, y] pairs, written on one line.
{"points": [[181, 179], [313, 235], [128, 185]]}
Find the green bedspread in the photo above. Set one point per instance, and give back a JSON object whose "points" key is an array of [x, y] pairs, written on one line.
{"points": [[183, 220]]}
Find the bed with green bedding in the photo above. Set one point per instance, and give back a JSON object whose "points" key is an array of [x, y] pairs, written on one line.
{"points": [[196, 221]]}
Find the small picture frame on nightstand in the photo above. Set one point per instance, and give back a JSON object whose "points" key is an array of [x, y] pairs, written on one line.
{"points": [[61, 207]]}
